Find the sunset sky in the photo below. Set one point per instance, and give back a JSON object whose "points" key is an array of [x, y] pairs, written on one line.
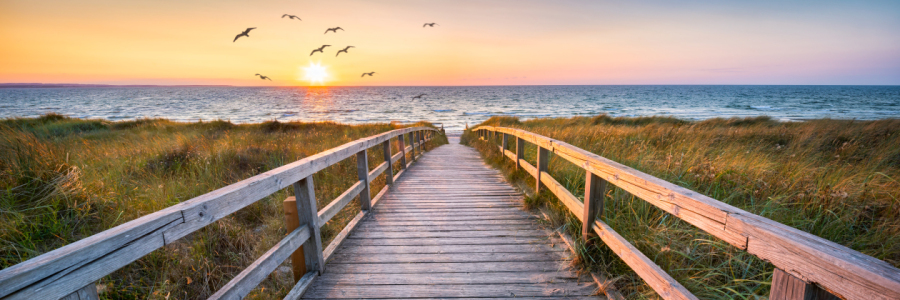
{"points": [[511, 42]]}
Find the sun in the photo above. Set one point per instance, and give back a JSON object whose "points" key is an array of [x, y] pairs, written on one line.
{"points": [[315, 73]]}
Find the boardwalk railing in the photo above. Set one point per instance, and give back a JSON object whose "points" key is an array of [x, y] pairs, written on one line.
{"points": [[807, 266], [71, 271]]}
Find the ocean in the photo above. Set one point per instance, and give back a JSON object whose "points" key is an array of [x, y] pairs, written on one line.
{"points": [[454, 107]]}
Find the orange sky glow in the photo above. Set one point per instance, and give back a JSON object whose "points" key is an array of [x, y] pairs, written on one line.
{"points": [[475, 42]]}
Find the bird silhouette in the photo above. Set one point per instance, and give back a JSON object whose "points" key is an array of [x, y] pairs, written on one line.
{"points": [[364, 74], [290, 16], [429, 25], [419, 96], [319, 50], [335, 29], [344, 50], [245, 33], [263, 77]]}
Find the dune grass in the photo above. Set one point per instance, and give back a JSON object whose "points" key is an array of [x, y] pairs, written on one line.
{"points": [[63, 179], [837, 179]]}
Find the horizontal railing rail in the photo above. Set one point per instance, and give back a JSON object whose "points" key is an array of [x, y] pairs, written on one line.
{"points": [[806, 265], [71, 271]]}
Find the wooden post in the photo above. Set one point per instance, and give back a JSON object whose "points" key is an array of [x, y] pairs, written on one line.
{"points": [[541, 167], [362, 166], [412, 142], [594, 190], [504, 143], [309, 256], [402, 150], [389, 173], [520, 152], [421, 137], [88, 292], [787, 287]]}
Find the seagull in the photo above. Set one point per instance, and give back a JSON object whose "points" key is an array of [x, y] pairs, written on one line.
{"points": [[335, 29], [290, 16], [419, 96], [429, 24], [319, 50], [345, 50], [245, 33], [263, 77], [364, 74]]}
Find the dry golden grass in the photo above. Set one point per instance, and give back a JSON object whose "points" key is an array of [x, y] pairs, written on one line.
{"points": [[837, 179], [64, 179]]}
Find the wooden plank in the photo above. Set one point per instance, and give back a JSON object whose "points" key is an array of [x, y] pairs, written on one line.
{"points": [[351, 247], [664, 285], [88, 292], [368, 227], [342, 236], [470, 290], [302, 285], [449, 234], [339, 203], [787, 287], [502, 240], [450, 278], [249, 278], [377, 171], [446, 257], [424, 268], [387, 223]]}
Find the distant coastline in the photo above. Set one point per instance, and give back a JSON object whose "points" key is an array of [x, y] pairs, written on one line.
{"points": [[80, 85]]}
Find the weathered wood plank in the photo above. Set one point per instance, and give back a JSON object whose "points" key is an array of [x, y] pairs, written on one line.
{"points": [[502, 240], [448, 234], [450, 278], [471, 290], [383, 258], [351, 247], [302, 285], [480, 267], [247, 280], [339, 203]]}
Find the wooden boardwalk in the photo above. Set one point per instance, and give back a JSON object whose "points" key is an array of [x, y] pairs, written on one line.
{"points": [[450, 228]]}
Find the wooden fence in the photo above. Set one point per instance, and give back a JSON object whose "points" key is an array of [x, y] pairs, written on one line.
{"points": [[807, 266], [70, 272]]}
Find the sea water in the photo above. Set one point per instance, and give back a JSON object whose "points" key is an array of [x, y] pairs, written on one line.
{"points": [[453, 107]]}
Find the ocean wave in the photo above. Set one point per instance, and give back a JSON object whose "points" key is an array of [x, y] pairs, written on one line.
{"points": [[444, 110]]}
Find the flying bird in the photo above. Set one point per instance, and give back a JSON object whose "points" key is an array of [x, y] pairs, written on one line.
{"points": [[344, 50], [319, 50], [335, 29], [364, 74], [263, 77], [419, 96], [429, 25], [290, 16], [245, 33]]}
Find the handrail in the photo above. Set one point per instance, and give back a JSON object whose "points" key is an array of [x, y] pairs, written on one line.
{"points": [[801, 259], [75, 267]]}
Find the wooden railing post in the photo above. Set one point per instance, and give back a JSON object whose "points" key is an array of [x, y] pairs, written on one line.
{"points": [[541, 167], [594, 190], [504, 143], [400, 140], [389, 173], [88, 292], [362, 166], [520, 152], [301, 209], [412, 143], [787, 287]]}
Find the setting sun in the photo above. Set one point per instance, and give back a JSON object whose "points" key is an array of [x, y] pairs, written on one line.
{"points": [[315, 73]]}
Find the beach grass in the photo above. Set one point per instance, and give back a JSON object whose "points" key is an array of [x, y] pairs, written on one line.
{"points": [[63, 179], [837, 179]]}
